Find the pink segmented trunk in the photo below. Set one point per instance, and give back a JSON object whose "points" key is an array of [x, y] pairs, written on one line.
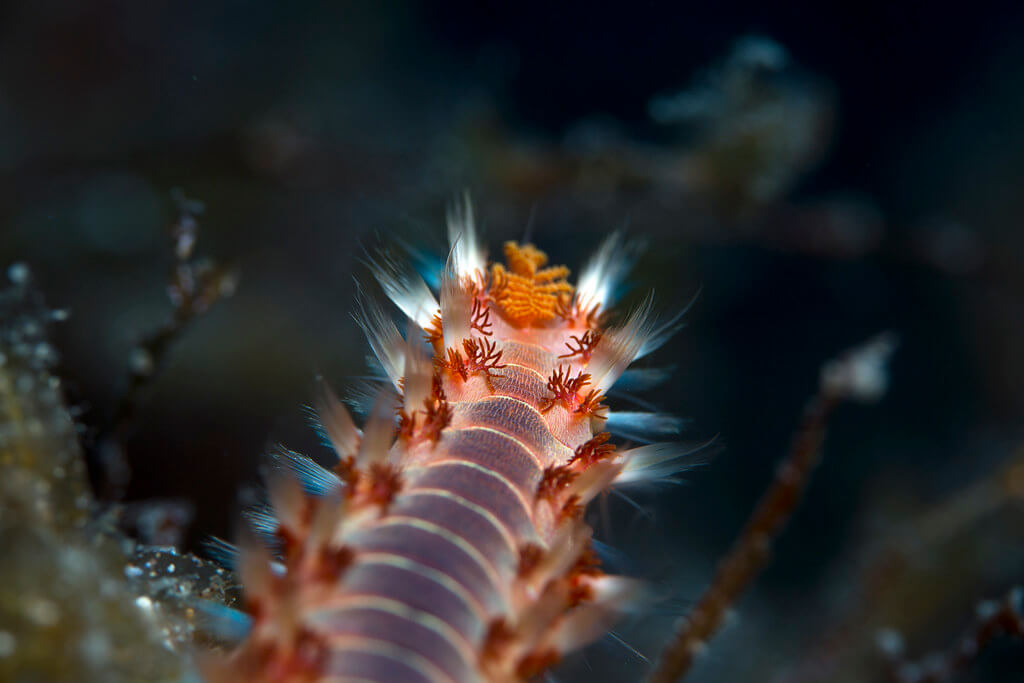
{"points": [[428, 577]]}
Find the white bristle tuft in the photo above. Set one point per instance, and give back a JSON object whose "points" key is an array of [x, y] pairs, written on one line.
{"points": [[613, 595], [405, 288], [336, 422], [262, 521], [642, 379], [597, 478], [467, 257], [254, 567], [605, 271], [656, 462], [316, 480], [661, 333], [456, 306], [620, 346], [286, 497], [378, 434], [418, 375], [327, 515], [382, 334], [643, 427], [569, 542]]}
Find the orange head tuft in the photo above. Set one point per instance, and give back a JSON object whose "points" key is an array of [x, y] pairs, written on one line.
{"points": [[526, 292]]}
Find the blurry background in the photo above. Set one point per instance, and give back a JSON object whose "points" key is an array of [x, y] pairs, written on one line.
{"points": [[820, 173]]}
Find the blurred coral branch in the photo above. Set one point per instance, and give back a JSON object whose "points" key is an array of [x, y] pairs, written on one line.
{"points": [[858, 375], [994, 619]]}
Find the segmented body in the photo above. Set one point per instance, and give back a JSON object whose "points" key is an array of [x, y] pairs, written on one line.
{"points": [[448, 543], [430, 577]]}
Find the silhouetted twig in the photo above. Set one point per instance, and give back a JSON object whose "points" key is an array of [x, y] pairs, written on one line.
{"points": [[859, 375], [194, 285]]}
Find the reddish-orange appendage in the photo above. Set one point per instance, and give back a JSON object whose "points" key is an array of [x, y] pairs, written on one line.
{"points": [[530, 556], [332, 562], [380, 485], [587, 565], [555, 479], [571, 509], [348, 472], [436, 411], [591, 404], [592, 451], [481, 357], [566, 390], [499, 636], [480, 318], [300, 661], [433, 333], [585, 345], [570, 310]]}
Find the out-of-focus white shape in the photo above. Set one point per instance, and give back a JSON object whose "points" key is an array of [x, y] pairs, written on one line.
{"points": [[612, 595], [384, 339], [456, 305], [379, 430], [642, 379], [405, 288], [316, 480], [467, 258], [335, 422], [661, 333], [605, 271], [643, 427], [861, 374], [418, 374], [656, 462], [621, 346]]}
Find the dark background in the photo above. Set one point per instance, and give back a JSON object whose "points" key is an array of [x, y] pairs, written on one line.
{"points": [[311, 130]]}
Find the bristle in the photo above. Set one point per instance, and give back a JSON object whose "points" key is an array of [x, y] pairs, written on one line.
{"points": [[603, 274], [384, 339], [662, 332], [315, 479], [221, 552], [456, 306], [570, 541], [262, 521], [595, 479], [286, 498], [619, 347], [254, 568], [404, 287], [613, 595], [223, 624], [227, 554], [418, 376], [467, 258], [642, 379], [656, 462], [327, 514], [362, 393], [378, 434], [341, 432], [643, 427]]}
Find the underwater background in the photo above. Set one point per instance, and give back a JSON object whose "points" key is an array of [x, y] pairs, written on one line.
{"points": [[813, 174]]}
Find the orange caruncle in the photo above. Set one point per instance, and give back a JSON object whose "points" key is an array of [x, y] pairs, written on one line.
{"points": [[448, 543]]}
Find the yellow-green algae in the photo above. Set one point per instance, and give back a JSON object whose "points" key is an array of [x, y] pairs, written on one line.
{"points": [[68, 611]]}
